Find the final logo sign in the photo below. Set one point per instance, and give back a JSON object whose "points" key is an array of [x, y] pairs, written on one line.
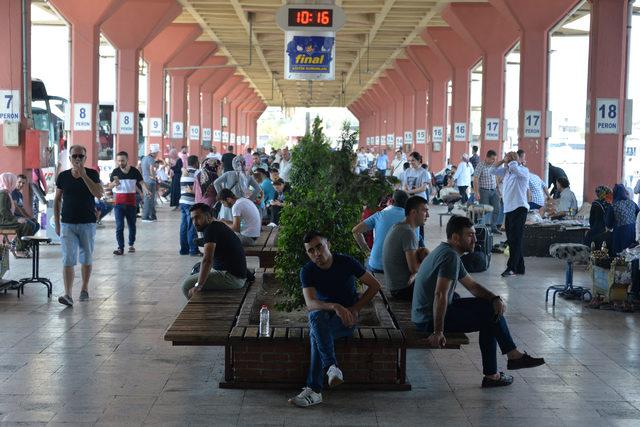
{"points": [[309, 57]]}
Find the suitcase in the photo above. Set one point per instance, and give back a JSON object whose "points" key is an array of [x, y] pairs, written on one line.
{"points": [[480, 259]]}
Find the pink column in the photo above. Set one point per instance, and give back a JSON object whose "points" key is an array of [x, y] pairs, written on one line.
{"points": [[493, 33], [420, 85], [395, 96], [236, 105], [462, 56], [12, 159], [208, 88], [368, 103], [384, 99], [408, 106], [244, 109], [157, 54], [535, 18], [197, 100], [85, 19], [438, 72], [133, 25], [607, 80], [221, 109], [192, 55], [382, 109], [232, 110]]}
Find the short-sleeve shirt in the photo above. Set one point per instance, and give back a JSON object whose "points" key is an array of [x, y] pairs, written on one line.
{"points": [[536, 187], [18, 198], [567, 201], [187, 191], [444, 262], [228, 255], [145, 165], [227, 161], [416, 178], [400, 239], [78, 204], [381, 222], [337, 284], [125, 193], [249, 216]]}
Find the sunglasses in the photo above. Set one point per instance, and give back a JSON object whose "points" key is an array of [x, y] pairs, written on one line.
{"points": [[77, 156]]}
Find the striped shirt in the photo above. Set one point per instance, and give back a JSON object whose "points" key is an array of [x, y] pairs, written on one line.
{"points": [[187, 192], [486, 180], [125, 191]]}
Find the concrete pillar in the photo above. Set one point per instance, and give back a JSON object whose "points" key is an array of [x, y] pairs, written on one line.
{"points": [[211, 85], [462, 56], [383, 99], [12, 158], [398, 119], [191, 55], [408, 106], [134, 24], [85, 19], [244, 109], [157, 53], [363, 118], [231, 104], [420, 85], [438, 72], [608, 58], [221, 109], [494, 34], [535, 18], [376, 111], [196, 103]]}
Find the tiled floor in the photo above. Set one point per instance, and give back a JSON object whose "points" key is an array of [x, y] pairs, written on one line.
{"points": [[105, 361]]}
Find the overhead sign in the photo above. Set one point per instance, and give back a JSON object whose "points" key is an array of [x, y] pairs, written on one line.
{"points": [[607, 116], [408, 136], [438, 132], [217, 135], [126, 123], [421, 136], [310, 17], [177, 130], [309, 57], [155, 126], [9, 106], [82, 117], [492, 129], [532, 124], [194, 133], [460, 131]]}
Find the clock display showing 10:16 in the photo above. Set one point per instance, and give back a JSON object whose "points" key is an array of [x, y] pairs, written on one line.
{"points": [[311, 18]]}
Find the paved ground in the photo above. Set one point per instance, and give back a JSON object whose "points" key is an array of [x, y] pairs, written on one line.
{"points": [[105, 361]]}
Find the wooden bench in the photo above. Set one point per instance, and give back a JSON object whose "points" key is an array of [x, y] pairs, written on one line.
{"points": [[265, 247]]}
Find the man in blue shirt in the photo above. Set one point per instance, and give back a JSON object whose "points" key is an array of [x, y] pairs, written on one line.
{"points": [[380, 222], [328, 286], [382, 163]]}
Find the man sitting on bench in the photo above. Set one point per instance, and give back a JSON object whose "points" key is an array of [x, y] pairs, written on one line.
{"points": [[222, 251], [328, 285], [437, 309], [246, 216]]}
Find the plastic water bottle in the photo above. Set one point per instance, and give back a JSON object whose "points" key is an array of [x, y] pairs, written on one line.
{"points": [[265, 330], [43, 220]]}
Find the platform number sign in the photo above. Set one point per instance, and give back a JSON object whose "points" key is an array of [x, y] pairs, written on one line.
{"points": [[492, 129], [460, 131], [126, 123], [155, 126], [408, 137], [206, 134], [532, 124], [421, 136], [194, 133], [390, 138], [607, 116], [377, 140], [177, 130], [9, 106], [398, 141], [82, 117], [438, 132], [225, 136], [217, 135]]}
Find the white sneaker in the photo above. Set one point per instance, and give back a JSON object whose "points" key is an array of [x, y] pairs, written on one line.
{"points": [[272, 224], [335, 376], [307, 397]]}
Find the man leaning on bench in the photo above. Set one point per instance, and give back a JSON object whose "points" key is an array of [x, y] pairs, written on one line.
{"points": [[328, 285]]}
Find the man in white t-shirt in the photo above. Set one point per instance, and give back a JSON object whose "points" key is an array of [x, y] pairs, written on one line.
{"points": [[213, 153], [246, 217]]}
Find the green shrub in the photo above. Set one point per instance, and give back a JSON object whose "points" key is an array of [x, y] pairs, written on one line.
{"points": [[326, 196]]}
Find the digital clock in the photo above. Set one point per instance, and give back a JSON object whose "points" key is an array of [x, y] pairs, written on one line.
{"points": [[310, 18]]}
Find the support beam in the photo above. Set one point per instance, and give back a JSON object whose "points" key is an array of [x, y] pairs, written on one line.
{"points": [[420, 85]]}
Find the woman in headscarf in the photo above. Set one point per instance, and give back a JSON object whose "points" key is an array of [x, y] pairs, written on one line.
{"points": [[8, 183], [204, 190], [176, 173], [597, 228], [238, 182], [621, 217]]}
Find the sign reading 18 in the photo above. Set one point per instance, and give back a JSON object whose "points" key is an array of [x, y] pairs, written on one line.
{"points": [[612, 113]]}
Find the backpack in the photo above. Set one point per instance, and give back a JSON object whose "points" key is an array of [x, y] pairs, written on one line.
{"points": [[475, 262]]}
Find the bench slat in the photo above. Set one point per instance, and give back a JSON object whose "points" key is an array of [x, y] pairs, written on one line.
{"points": [[367, 334], [280, 333], [251, 333], [294, 333]]}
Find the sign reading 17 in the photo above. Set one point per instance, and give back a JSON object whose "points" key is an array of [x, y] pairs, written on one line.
{"points": [[532, 120], [9, 99]]}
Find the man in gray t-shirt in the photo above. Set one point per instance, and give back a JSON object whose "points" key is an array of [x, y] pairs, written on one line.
{"points": [[147, 167], [436, 310], [401, 256]]}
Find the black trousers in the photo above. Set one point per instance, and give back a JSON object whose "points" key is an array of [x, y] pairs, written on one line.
{"points": [[514, 225], [463, 193]]}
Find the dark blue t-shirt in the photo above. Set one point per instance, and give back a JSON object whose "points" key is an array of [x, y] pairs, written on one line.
{"points": [[337, 284]]}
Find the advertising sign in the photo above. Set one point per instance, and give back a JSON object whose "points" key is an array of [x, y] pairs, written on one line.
{"points": [[309, 57]]}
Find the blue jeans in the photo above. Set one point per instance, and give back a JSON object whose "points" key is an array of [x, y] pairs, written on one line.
{"points": [[122, 212], [188, 232], [477, 315], [74, 237], [324, 327], [490, 197]]}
